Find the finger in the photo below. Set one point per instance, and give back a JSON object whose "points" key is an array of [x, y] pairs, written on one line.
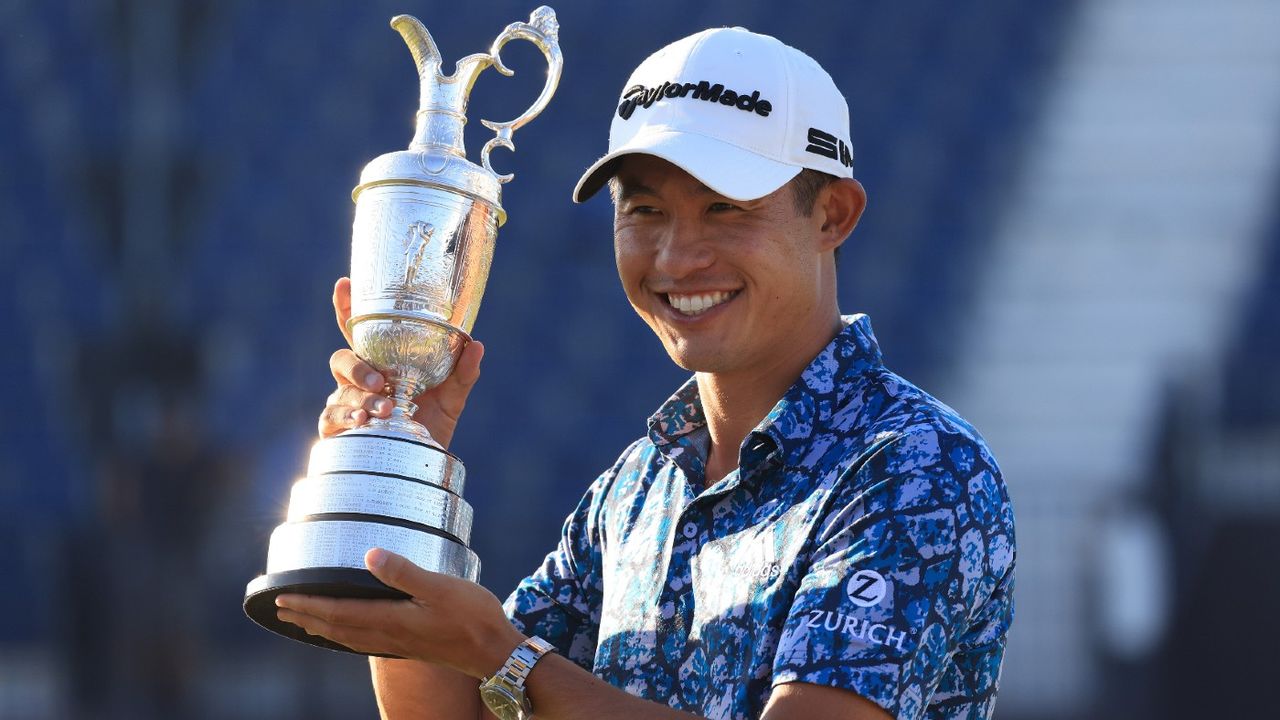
{"points": [[349, 369], [346, 611], [336, 418], [360, 639], [401, 574], [344, 620], [353, 398], [342, 305]]}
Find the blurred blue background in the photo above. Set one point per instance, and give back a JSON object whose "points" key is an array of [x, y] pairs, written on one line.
{"points": [[1072, 238]]}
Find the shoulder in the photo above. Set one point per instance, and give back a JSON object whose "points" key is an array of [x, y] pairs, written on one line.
{"points": [[935, 457], [929, 475], [907, 428]]}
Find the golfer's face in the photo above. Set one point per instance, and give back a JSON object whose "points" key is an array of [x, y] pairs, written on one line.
{"points": [[726, 285]]}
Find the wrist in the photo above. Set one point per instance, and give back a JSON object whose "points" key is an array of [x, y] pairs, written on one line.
{"points": [[504, 692], [494, 651]]}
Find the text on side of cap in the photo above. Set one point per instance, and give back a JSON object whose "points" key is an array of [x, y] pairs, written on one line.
{"points": [[828, 145]]}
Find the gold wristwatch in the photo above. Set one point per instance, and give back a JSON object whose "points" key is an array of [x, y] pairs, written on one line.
{"points": [[503, 692]]}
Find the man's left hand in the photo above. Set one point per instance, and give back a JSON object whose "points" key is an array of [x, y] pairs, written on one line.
{"points": [[446, 620]]}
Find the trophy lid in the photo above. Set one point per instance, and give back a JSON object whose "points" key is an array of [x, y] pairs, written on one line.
{"points": [[436, 156]]}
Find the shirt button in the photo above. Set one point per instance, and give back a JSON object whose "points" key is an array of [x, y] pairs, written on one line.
{"points": [[690, 530]]}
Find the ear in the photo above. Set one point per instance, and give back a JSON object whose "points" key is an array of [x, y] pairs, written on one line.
{"points": [[838, 208]]}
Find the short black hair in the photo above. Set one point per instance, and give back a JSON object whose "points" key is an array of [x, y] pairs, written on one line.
{"points": [[804, 191], [805, 188]]}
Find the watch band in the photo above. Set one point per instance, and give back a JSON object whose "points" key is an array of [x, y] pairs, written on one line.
{"points": [[503, 692], [522, 659]]}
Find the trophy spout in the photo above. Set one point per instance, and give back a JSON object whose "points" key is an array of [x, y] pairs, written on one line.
{"points": [[421, 45], [442, 99]]}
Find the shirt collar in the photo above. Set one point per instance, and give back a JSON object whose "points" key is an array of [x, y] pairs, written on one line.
{"points": [[807, 406]]}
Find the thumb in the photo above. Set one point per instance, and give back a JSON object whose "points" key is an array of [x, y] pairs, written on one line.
{"points": [[455, 389], [398, 572], [342, 305]]}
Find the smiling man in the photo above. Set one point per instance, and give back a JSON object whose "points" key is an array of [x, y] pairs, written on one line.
{"points": [[802, 533]]}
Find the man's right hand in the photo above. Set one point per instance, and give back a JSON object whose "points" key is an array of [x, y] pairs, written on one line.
{"points": [[360, 387]]}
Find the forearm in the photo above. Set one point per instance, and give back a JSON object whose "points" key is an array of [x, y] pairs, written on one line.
{"points": [[560, 690], [415, 690], [461, 634]]}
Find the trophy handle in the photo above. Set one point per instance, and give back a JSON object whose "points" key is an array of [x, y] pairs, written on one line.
{"points": [[543, 31]]}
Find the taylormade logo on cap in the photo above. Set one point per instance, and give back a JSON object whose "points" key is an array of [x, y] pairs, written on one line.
{"points": [[741, 112], [641, 96]]}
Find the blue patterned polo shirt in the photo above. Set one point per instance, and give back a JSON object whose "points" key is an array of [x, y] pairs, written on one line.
{"points": [[864, 542]]}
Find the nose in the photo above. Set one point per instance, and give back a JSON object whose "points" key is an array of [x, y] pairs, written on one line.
{"points": [[683, 248]]}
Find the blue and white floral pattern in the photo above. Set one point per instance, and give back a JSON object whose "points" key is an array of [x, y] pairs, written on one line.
{"points": [[865, 542]]}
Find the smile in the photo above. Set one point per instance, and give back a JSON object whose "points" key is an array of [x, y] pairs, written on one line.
{"points": [[698, 303]]}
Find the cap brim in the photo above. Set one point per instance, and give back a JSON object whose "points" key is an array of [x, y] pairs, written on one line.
{"points": [[732, 171]]}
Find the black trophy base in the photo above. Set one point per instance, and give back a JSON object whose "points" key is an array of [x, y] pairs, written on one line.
{"points": [[260, 598]]}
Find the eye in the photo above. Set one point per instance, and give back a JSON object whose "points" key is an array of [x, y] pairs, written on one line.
{"points": [[642, 210]]}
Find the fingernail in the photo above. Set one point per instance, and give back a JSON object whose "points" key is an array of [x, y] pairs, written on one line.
{"points": [[382, 406], [372, 380], [357, 415], [377, 559]]}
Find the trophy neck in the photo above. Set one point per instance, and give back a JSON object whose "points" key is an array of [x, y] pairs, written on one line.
{"points": [[439, 130]]}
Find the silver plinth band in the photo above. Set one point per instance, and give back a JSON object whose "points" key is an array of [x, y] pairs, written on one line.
{"points": [[384, 496], [388, 456], [343, 543]]}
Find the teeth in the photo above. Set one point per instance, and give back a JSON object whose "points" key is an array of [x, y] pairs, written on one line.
{"points": [[695, 304]]}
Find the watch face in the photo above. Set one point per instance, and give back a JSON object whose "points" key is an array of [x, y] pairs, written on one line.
{"points": [[501, 702]]}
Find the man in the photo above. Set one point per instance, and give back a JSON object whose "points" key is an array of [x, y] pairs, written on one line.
{"points": [[802, 533]]}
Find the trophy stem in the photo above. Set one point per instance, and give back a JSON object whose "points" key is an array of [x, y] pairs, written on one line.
{"points": [[402, 411], [405, 408]]}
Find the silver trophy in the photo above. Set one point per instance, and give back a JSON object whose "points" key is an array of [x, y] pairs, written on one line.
{"points": [[422, 242]]}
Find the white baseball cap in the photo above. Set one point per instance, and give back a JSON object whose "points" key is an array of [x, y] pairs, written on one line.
{"points": [[741, 112]]}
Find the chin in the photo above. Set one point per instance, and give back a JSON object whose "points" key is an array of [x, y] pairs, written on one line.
{"points": [[698, 362], [693, 354]]}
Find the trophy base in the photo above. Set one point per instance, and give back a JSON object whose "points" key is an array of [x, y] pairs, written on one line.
{"points": [[260, 598], [365, 488]]}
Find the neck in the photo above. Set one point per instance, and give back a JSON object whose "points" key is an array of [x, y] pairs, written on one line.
{"points": [[734, 403]]}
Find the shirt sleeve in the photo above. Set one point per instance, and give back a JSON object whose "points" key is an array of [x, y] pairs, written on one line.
{"points": [[560, 602], [910, 568]]}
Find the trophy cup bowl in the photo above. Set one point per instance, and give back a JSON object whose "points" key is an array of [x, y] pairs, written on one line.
{"points": [[422, 242]]}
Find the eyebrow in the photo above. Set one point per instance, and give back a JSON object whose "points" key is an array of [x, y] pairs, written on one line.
{"points": [[628, 190]]}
